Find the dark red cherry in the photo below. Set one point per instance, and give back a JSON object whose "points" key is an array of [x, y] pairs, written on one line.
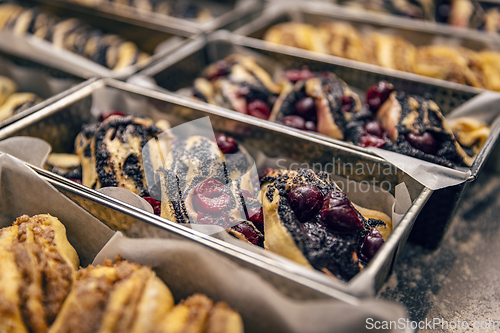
{"points": [[221, 68], [295, 75], [252, 235], [105, 116], [295, 122], [208, 197], [306, 107], [210, 188], [424, 142], [377, 94], [155, 204], [256, 215], [211, 204], [310, 126], [347, 103], [75, 180], [305, 201], [373, 241], [368, 140], [226, 143], [374, 128], [338, 213], [259, 109]]}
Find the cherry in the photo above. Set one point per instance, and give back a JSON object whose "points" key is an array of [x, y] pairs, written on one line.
{"points": [[256, 215], [373, 241], [259, 109], [221, 68], [295, 75], [374, 128], [210, 188], [338, 213], [306, 107], [226, 143], [209, 198], [252, 235], [424, 142], [211, 205], [76, 180], [377, 94], [305, 201], [105, 116], [347, 103], [295, 122], [155, 204], [310, 126], [368, 140]]}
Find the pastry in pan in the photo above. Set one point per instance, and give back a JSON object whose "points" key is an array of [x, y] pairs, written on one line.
{"points": [[128, 297], [239, 84], [301, 35], [421, 9], [66, 165], [124, 297], [343, 40], [181, 9], [450, 63], [71, 34], [416, 127], [321, 99], [16, 103], [309, 220], [444, 62], [111, 152], [391, 52], [7, 88], [38, 268], [199, 184]]}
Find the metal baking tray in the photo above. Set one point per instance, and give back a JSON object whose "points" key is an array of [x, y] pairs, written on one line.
{"points": [[94, 241], [146, 35], [417, 32], [182, 67], [44, 81], [228, 14], [60, 122]]}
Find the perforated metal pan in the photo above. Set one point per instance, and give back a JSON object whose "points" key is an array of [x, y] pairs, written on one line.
{"points": [[182, 67], [60, 122]]}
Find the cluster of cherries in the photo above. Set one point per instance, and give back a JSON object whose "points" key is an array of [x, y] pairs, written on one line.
{"points": [[337, 214]]}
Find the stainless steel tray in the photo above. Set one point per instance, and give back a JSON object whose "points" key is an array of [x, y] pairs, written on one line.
{"points": [[417, 32], [182, 67], [146, 35], [230, 14], [45, 81], [60, 122], [174, 262]]}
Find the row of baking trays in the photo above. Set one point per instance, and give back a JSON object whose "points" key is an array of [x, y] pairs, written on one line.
{"points": [[418, 197]]}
